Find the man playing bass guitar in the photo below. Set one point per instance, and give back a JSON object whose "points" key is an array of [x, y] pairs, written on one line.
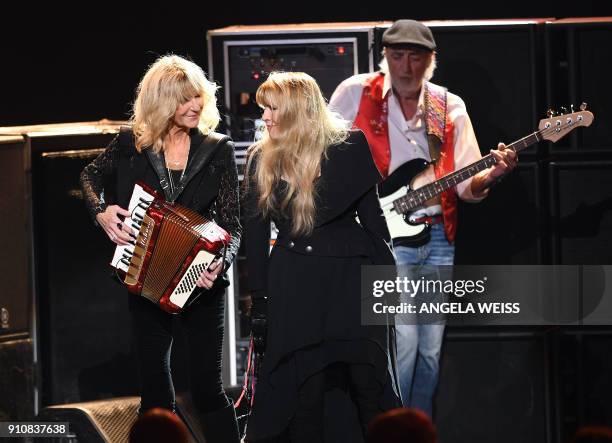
{"points": [[408, 120]]}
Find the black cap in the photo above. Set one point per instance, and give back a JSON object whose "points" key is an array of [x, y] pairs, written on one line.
{"points": [[409, 32]]}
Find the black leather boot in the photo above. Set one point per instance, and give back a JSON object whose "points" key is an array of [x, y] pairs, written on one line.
{"points": [[220, 426]]}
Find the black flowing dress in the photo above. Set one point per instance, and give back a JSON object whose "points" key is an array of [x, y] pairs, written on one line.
{"points": [[313, 285]]}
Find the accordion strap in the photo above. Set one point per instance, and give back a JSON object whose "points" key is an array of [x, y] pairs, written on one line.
{"points": [[200, 158], [126, 137]]}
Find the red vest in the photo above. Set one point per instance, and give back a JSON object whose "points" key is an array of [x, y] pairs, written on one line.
{"points": [[372, 119]]}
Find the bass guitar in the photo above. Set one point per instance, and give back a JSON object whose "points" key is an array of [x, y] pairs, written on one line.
{"points": [[410, 186]]}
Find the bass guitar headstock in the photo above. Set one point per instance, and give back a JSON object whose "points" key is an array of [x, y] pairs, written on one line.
{"points": [[558, 124]]}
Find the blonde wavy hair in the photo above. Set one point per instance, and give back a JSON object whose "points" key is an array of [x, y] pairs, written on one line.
{"points": [[168, 83], [306, 128]]}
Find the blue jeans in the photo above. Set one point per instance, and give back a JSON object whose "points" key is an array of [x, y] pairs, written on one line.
{"points": [[418, 346]]}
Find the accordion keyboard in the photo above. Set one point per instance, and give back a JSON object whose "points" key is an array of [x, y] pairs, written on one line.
{"points": [[137, 255], [139, 202]]}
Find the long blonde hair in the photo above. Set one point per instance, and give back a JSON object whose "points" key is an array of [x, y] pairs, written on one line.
{"points": [[168, 83], [306, 128]]}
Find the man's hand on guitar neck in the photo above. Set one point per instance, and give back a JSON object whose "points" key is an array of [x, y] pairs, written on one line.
{"points": [[506, 162]]}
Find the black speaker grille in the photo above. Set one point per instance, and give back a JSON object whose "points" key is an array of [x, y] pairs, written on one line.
{"points": [[493, 388]]}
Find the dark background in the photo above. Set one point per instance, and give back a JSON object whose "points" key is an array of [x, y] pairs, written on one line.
{"points": [[63, 64], [67, 64]]}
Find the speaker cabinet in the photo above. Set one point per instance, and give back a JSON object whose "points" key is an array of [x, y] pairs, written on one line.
{"points": [[493, 387], [102, 421], [16, 300], [110, 420], [512, 216], [583, 382], [581, 209], [17, 378], [579, 69]]}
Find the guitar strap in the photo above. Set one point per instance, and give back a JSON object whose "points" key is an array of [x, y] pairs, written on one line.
{"points": [[435, 146], [441, 149], [435, 120]]}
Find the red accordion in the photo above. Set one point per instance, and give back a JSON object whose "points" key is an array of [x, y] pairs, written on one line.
{"points": [[173, 246]]}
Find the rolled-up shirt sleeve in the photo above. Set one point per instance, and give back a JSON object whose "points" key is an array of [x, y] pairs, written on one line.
{"points": [[465, 145]]}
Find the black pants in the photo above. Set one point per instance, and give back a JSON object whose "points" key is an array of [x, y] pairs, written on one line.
{"points": [[203, 327], [364, 389]]}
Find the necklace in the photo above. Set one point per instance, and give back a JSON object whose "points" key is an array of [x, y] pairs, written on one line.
{"points": [[173, 164], [180, 153], [171, 174]]}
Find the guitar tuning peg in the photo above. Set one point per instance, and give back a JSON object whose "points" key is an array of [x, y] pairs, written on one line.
{"points": [[583, 106], [550, 113], [572, 108], [563, 110]]}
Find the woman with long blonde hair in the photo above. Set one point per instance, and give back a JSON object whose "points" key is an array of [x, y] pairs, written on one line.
{"points": [[171, 146], [312, 176]]}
